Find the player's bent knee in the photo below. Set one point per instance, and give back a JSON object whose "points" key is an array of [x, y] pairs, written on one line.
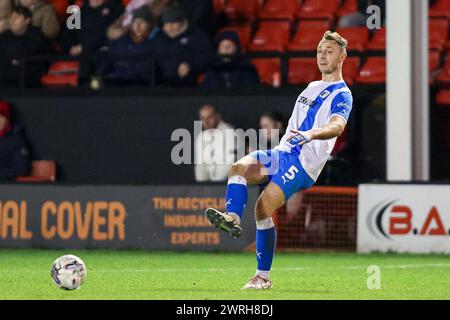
{"points": [[237, 169]]}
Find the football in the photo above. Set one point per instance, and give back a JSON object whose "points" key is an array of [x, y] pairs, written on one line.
{"points": [[68, 272]]}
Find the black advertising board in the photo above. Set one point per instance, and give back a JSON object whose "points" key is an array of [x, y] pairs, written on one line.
{"points": [[117, 217]]}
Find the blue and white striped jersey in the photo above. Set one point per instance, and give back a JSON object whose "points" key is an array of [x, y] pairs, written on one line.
{"points": [[314, 107]]}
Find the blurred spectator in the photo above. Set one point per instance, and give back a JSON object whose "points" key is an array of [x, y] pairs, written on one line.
{"points": [[211, 149], [359, 18], [116, 71], [122, 24], [97, 16], [200, 13], [19, 41], [43, 16], [182, 50], [14, 154], [230, 69], [273, 127], [5, 11]]}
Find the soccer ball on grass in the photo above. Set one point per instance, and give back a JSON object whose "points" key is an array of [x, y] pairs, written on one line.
{"points": [[68, 272]]}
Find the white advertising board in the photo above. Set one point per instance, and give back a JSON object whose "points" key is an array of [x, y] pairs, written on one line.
{"points": [[403, 218]]}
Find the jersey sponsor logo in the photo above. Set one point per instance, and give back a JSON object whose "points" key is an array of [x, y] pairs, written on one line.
{"points": [[399, 221], [290, 174], [325, 94], [306, 101]]}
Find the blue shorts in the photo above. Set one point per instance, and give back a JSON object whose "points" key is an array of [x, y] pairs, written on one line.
{"points": [[285, 170]]}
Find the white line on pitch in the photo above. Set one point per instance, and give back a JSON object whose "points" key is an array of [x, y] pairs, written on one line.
{"points": [[404, 266]]}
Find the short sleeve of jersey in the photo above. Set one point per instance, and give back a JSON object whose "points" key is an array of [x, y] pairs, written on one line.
{"points": [[342, 105]]}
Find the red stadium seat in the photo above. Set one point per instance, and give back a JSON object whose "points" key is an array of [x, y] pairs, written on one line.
{"points": [[440, 9], [438, 33], [341, 143], [309, 33], [271, 36], [62, 73], [219, 6], [60, 8], [373, 71], [303, 70], [244, 32], [378, 42], [200, 78], [242, 10], [433, 60], [433, 64], [350, 70], [280, 9], [357, 37], [269, 70], [64, 67], [444, 77], [443, 97], [319, 9], [41, 171], [349, 6]]}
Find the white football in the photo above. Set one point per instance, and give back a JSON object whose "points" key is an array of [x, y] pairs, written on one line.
{"points": [[68, 272]]}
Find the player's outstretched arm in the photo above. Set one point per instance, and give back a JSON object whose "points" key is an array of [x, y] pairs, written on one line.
{"points": [[332, 129]]}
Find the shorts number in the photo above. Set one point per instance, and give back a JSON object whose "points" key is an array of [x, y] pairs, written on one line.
{"points": [[290, 174]]}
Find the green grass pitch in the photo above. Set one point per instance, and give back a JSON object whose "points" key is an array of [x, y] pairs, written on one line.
{"points": [[25, 274]]}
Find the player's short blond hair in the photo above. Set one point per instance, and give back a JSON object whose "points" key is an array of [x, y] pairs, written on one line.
{"points": [[341, 41]]}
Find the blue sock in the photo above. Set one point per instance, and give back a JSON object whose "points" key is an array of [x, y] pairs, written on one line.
{"points": [[266, 238], [236, 196]]}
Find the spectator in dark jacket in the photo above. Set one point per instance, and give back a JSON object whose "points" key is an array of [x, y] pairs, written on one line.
{"points": [[19, 41], [121, 26], [115, 70], [182, 50], [200, 13], [230, 69], [14, 154], [96, 16]]}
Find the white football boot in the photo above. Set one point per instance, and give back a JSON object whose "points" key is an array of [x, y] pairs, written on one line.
{"points": [[258, 283], [225, 222]]}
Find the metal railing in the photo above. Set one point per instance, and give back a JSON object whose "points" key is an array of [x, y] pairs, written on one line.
{"points": [[95, 58]]}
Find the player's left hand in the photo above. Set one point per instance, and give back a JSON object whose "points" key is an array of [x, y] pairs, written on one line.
{"points": [[305, 136], [183, 70]]}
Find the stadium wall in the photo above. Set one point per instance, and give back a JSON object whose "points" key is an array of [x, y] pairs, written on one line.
{"points": [[124, 137]]}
